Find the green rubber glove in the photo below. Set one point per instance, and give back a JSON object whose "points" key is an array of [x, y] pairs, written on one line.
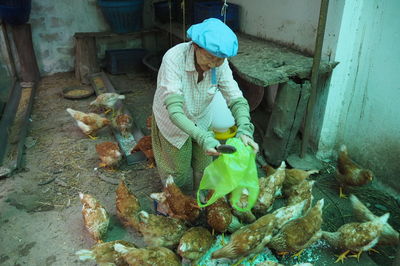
{"points": [[205, 139], [241, 112]]}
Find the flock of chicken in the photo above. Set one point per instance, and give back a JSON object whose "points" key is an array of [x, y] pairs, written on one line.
{"points": [[174, 239], [109, 152]]}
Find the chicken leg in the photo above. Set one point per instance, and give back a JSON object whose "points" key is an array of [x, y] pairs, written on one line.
{"points": [[342, 256], [341, 194]]}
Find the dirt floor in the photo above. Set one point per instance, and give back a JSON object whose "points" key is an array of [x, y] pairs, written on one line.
{"points": [[40, 212]]}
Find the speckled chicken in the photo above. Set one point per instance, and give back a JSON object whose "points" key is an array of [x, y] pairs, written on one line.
{"points": [[356, 237], [348, 173], [178, 205], [95, 217], [109, 154], [128, 206], [299, 193], [270, 187], [149, 256], [252, 238], [389, 236], [160, 231], [244, 216], [144, 145], [300, 233], [104, 253], [107, 100], [123, 123], [89, 123], [219, 216], [194, 243]]}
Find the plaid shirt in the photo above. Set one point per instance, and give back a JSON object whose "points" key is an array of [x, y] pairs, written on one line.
{"points": [[178, 75]]}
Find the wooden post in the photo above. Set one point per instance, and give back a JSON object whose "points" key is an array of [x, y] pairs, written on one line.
{"points": [[22, 35], [85, 58], [285, 121]]}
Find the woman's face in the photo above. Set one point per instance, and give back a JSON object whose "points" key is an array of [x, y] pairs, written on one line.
{"points": [[205, 60]]}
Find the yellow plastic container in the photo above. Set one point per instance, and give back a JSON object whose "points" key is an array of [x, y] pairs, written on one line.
{"points": [[230, 133]]}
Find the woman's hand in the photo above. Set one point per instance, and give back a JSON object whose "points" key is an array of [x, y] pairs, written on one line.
{"points": [[248, 141], [212, 152]]}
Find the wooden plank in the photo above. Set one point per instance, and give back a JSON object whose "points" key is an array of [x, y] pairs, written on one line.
{"points": [[9, 56], [8, 118], [85, 59], [23, 43], [281, 124], [102, 84], [300, 111]]}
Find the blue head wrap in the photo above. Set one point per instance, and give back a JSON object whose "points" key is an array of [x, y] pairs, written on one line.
{"points": [[214, 36]]}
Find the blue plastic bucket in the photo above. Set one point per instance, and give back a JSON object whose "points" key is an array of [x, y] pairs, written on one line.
{"points": [[15, 12], [123, 16]]}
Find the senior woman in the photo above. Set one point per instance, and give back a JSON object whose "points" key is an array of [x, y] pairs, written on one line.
{"points": [[189, 76]]}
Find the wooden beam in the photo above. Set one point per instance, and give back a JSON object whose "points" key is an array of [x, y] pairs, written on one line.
{"points": [[22, 35], [287, 115], [85, 59]]}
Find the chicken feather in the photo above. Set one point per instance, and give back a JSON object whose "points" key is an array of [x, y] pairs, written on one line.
{"points": [[252, 238], [95, 217], [389, 236], [89, 123], [299, 233], [348, 173], [149, 256], [127, 205], [356, 237]]}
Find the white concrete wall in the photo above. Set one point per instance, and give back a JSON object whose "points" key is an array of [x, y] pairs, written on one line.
{"points": [[363, 100], [290, 22], [54, 23]]}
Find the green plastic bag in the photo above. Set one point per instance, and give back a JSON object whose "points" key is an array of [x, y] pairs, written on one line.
{"points": [[231, 173]]}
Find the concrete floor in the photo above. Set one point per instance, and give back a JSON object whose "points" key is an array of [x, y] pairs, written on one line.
{"points": [[42, 224]]}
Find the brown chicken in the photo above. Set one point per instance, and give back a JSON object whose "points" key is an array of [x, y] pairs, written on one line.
{"points": [[270, 187], [178, 205], [299, 193], [104, 253], [123, 123], [150, 256], [194, 243], [144, 145], [128, 206], [292, 176], [356, 237], [109, 154], [160, 231], [95, 217], [389, 236], [296, 176], [300, 233], [219, 216], [244, 216], [107, 100], [348, 173], [252, 238], [89, 123]]}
